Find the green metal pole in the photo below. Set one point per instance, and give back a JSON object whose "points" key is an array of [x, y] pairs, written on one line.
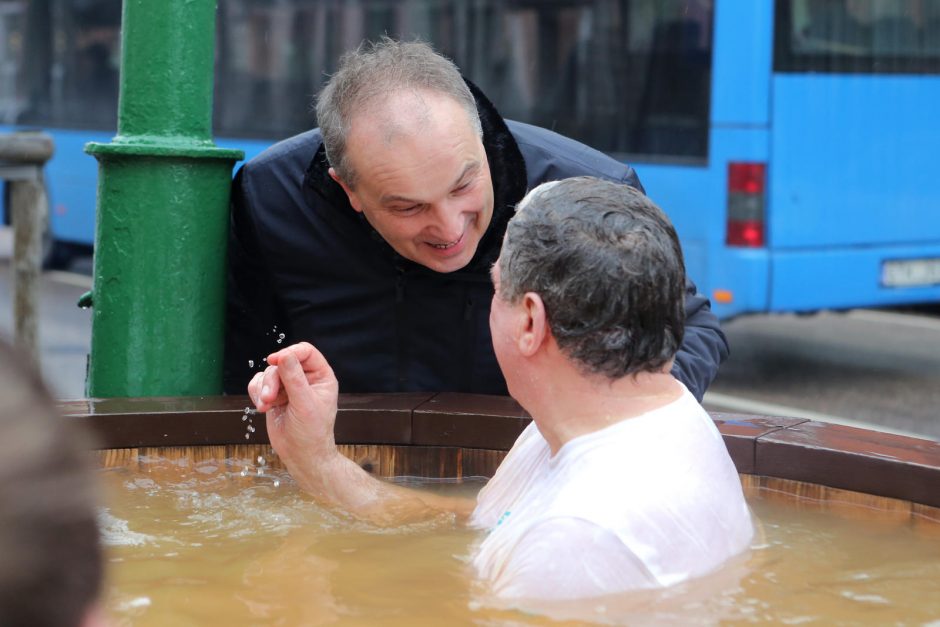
{"points": [[163, 190]]}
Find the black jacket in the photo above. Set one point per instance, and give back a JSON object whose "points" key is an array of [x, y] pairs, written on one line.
{"points": [[303, 265]]}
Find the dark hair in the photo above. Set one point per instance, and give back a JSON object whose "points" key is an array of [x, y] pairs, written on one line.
{"points": [[51, 562], [368, 74], [607, 263]]}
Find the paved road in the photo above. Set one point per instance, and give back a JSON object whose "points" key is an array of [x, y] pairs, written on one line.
{"points": [[868, 367], [64, 329], [874, 367]]}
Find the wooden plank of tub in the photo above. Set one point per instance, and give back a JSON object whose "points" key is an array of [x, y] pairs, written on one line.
{"points": [[469, 420], [853, 459], [740, 433], [186, 421], [380, 460], [926, 520], [888, 513]]}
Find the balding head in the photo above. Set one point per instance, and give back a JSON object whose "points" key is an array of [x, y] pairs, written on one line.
{"points": [[367, 83]]}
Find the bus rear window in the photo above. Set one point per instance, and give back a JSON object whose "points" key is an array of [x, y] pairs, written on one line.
{"points": [[857, 36]]}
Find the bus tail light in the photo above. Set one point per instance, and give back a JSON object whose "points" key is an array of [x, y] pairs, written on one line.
{"points": [[746, 186]]}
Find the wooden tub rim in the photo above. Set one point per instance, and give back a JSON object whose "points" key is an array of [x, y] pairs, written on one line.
{"points": [[805, 451]]}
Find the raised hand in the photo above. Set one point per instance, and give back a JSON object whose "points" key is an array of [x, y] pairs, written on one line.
{"points": [[298, 391]]}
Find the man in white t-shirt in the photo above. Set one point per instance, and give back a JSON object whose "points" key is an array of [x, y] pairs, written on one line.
{"points": [[621, 482]]}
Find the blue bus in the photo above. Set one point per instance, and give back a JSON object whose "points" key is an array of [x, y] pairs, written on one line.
{"points": [[789, 140]]}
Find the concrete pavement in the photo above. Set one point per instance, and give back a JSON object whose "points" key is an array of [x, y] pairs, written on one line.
{"points": [[64, 329]]}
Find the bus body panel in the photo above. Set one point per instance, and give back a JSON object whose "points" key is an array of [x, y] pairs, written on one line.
{"points": [[853, 161], [833, 278], [740, 62], [695, 198]]}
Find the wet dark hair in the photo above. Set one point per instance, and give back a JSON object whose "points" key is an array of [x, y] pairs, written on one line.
{"points": [[607, 263], [51, 562]]}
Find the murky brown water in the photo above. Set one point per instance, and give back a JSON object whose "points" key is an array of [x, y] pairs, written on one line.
{"points": [[201, 544]]}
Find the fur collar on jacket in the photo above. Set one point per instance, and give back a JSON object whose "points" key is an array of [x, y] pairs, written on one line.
{"points": [[507, 169]]}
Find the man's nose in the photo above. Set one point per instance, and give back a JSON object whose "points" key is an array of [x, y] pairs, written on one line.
{"points": [[449, 221]]}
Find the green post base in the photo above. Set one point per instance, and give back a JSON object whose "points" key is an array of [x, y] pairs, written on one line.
{"points": [[159, 285]]}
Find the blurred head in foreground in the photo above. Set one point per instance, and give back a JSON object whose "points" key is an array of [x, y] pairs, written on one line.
{"points": [[51, 561]]}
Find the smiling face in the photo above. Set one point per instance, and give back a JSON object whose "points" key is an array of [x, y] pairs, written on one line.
{"points": [[423, 180]]}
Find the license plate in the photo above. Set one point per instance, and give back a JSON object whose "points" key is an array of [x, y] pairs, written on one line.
{"points": [[910, 272]]}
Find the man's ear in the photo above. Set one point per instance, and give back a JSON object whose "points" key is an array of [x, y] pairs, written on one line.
{"points": [[353, 197], [535, 330]]}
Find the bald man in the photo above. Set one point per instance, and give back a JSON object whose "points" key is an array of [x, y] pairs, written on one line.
{"points": [[372, 236]]}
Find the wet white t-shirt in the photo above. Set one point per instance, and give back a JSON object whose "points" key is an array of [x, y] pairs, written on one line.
{"points": [[644, 503]]}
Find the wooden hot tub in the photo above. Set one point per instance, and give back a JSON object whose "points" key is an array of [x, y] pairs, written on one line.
{"points": [[463, 435], [808, 471]]}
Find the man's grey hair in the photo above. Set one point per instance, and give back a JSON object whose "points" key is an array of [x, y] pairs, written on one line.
{"points": [[608, 266], [365, 78]]}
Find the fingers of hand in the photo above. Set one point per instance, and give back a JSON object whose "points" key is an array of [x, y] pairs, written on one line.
{"points": [[312, 364], [311, 360], [265, 389], [301, 350], [254, 389], [292, 375], [271, 385]]}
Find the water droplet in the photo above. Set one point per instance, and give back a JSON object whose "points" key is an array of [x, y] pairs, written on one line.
{"points": [[251, 363], [261, 460], [247, 435], [245, 417], [276, 483], [244, 472]]}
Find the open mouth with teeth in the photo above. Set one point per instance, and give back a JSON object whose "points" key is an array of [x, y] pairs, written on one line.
{"points": [[446, 245]]}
